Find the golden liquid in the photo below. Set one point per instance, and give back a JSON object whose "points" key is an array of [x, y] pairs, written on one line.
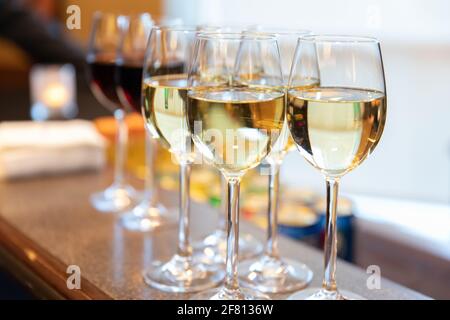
{"points": [[165, 112], [290, 145], [286, 144], [236, 128], [336, 128]]}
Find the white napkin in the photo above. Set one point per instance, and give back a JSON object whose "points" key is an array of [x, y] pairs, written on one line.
{"points": [[36, 148]]}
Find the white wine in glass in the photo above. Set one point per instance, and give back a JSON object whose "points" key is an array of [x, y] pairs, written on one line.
{"points": [[165, 93], [250, 116], [270, 272], [337, 124], [212, 248], [236, 111]]}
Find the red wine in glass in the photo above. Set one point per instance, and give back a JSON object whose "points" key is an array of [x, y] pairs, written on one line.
{"points": [[129, 83], [102, 79]]}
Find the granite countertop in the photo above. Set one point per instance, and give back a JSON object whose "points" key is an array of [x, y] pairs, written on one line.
{"points": [[47, 224]]}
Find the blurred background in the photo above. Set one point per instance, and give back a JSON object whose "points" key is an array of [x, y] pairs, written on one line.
{"points": [[400, 196], [413, 159]]}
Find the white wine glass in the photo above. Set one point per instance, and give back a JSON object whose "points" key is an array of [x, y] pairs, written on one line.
{"points": [[165, 92], [270, 272], [337, 124], [236, 110], [212, 248]]}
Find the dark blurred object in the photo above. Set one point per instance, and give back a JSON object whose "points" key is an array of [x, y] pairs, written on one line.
{"points": [[41, 40], [11, 289], [32, 26], [345, 227], [16, 106], [305, 220], [299, 222]]}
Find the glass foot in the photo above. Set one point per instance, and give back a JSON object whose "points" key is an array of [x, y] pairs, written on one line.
{"points": [[225, 294], [322, 294], [213, 248], [114, 198], [145, 217], [182, 274], [274, 275]]}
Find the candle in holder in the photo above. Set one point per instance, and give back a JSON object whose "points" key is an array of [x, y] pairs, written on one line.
{"points": [[53, 92]]}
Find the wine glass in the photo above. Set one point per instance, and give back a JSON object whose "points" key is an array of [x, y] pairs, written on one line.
{"points": [[269, 272], [212, 248], [337, 124], [106, 33], [165, 93], [236, 110], [149, 214]]}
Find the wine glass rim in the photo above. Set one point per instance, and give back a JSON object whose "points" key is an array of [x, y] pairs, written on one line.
{"points": [[237, 36], [332, 38]]}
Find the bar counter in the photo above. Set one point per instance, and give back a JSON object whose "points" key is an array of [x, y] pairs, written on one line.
{"points": [[47, 224]]}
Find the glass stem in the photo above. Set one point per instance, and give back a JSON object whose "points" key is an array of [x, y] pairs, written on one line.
{"points": [[223, 205], [231, 278], [151, 189], [121, 147], [184, 246], [330, 249], [272, 212]]}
